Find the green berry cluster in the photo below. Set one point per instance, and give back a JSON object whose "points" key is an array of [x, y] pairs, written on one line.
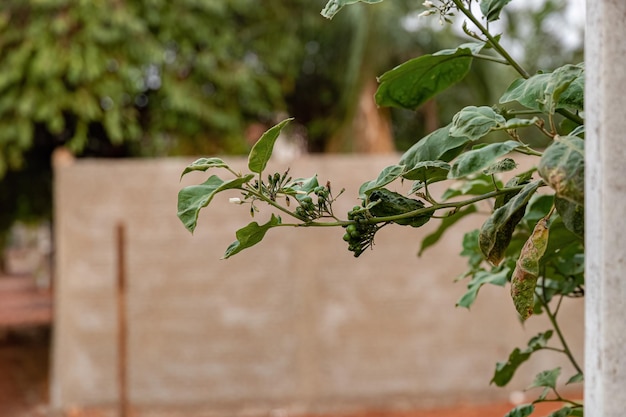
{"points": [[360, 234]]}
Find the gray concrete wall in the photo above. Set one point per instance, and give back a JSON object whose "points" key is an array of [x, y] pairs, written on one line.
{"points": [[294, 323]]}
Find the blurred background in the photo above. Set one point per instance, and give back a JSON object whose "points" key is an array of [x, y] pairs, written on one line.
{"points": [[152, 78]]}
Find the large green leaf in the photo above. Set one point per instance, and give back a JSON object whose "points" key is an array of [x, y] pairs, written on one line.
{"points": [[506, 370], [203, 164], [478, 159], [193, 198], [333, 6], [496, 233], [411, 84], [491, 8], [549, 91], [475, 122], [446, 223], [479, 279], [436, 146], [562, 166], [430, 171], [482, 184], [262, 150], [565, 412], [386, 176], [250, 235]]}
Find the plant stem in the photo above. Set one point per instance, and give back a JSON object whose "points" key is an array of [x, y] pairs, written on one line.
{"points": [[493, 41], [558, 331], [491, 58]]}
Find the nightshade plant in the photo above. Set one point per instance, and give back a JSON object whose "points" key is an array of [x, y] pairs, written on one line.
{"points": [[534, 235]]}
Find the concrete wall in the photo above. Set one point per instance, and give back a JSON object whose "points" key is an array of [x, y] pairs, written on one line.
{"points": [[294, 323]]}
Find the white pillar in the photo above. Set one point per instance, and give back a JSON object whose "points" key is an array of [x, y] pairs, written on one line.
{"points": [[605, 208]]}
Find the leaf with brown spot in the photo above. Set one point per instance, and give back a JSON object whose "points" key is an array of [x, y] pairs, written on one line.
{"points": [[524, 278]]}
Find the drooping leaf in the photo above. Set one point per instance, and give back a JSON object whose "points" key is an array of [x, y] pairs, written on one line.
{"points": [[430, 171], [262, 150], [333, 6], [496, 232], [389, 203], [547, 92], [478, 280], [546, 378], [572, 214], [478, 159], [526, 271], [387, 175], [193, 198], [491, 8], [523, 410], [506, 370], [475, 122], [203, 164], [411, 84], [446, 223], [562, 166], [250, 235], [436, 146]]}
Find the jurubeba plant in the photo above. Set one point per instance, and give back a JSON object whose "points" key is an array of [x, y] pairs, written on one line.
{"points": [[533, 238]]}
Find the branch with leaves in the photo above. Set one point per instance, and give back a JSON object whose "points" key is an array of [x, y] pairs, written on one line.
{"points": [[533, 237]]}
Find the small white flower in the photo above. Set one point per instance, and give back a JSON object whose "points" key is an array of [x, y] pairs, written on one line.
{"points": [[235, 200], [426, 13], [428, 3]]}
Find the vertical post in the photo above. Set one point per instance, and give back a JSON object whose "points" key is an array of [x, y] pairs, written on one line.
{"points": [[121, 321], [605, 208]]}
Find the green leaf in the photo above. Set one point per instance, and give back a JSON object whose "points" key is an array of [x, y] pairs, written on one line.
{"points": [[431, 171], [546, 378], [575, 379], [504, 165], [389, 203], [550, 91], [496, 232], [475, 122], [411, 84], [524, 279], [482, 184], [523, 410], [262, 150], [491, 8], [562, 166], [516, 123], [386, 176], [572, 214], [446, 223], [301, 187], [333, 6], [506, 370], [436, 146], [481, 278], [250, 236], [195, 197], [203, 164], [563, 412], [478, 159]]}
